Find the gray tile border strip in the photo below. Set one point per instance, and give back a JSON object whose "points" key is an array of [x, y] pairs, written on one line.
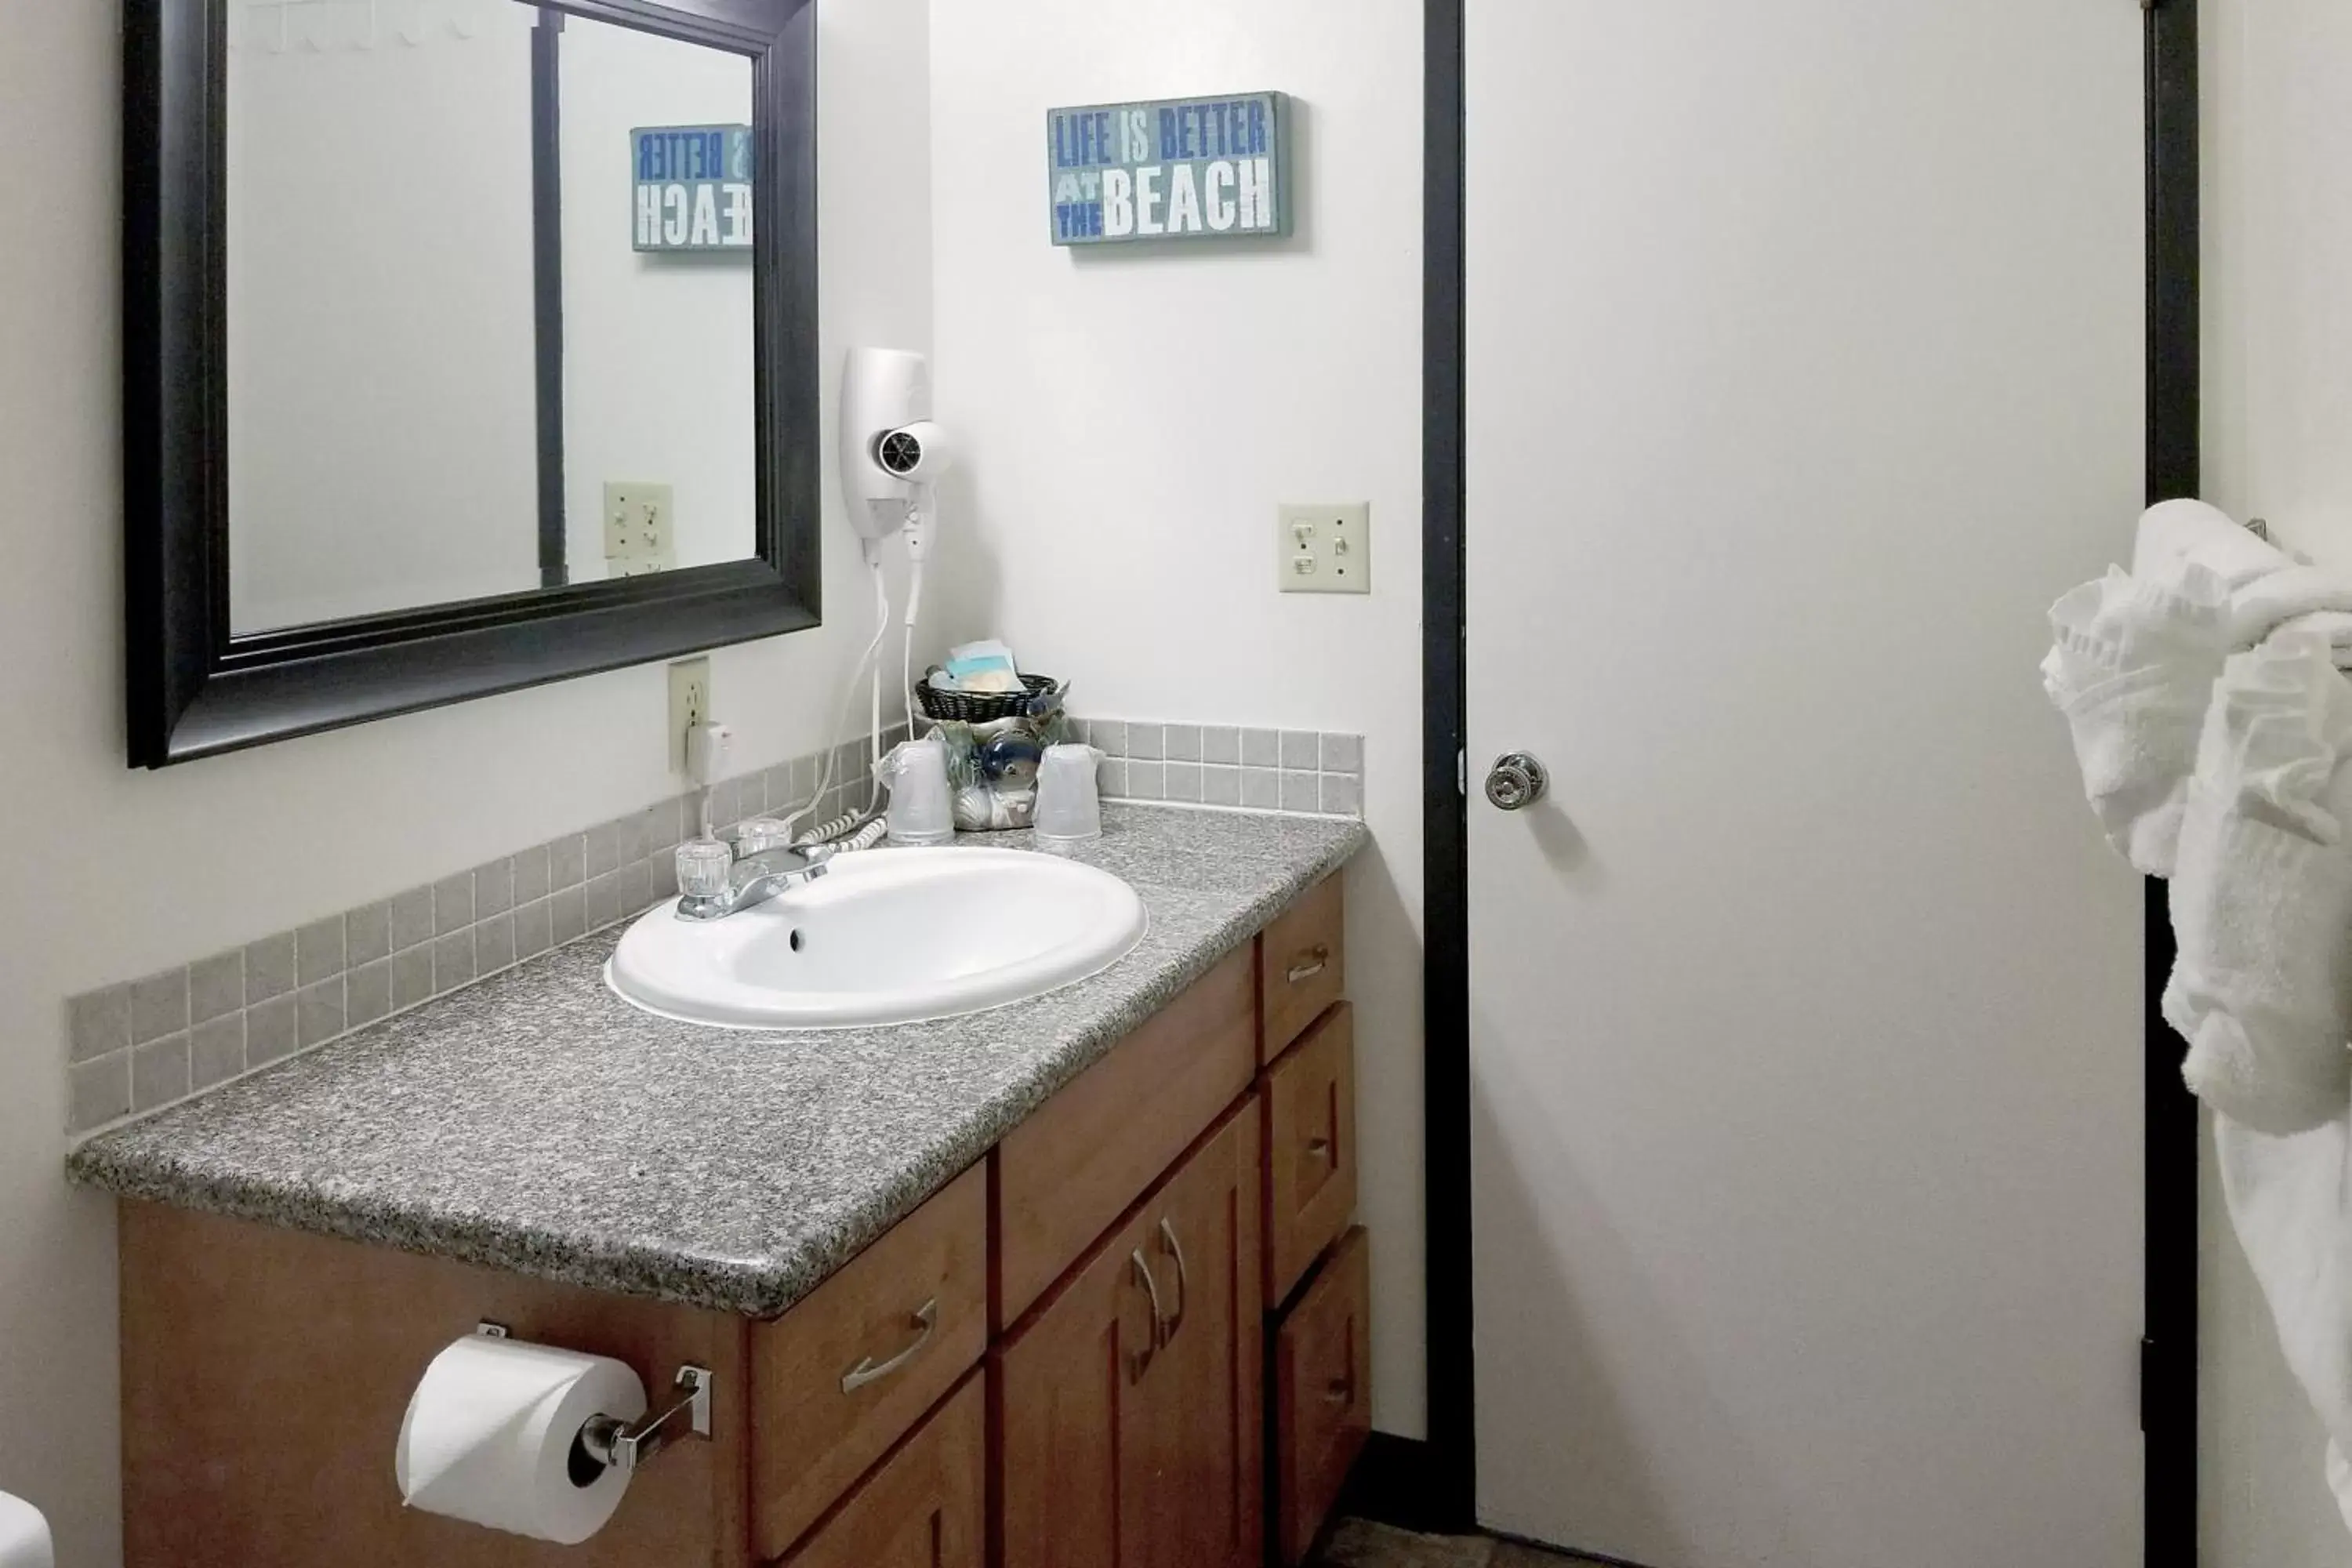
{"points": [[1182, 763], [133, 1048]]}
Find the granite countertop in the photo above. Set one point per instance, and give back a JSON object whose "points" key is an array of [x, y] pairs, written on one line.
{"points": [[536, 1122]]}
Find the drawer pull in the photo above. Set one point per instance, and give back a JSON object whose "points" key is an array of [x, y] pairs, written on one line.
{"points": [[1342, 1390], [1320, 1148], [1139, 1361], [926, 1318], [1311, 962], [1175, 1320]]}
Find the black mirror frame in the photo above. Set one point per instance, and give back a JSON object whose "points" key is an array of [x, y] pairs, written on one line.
{"points": [[195, 689]]}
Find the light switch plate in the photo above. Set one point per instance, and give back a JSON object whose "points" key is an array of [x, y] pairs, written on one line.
{"points": [[1324, 547], [637, 523]]}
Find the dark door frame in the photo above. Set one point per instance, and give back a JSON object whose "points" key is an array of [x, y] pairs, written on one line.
{"points": [[2169, 1354], [1432, 1484]]}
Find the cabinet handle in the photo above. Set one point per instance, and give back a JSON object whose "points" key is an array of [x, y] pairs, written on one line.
{"points": [[1311, 962], [1342, 1391], [926, 1318], [1137, 1362], [1184, 1283], [1320, 1148]]}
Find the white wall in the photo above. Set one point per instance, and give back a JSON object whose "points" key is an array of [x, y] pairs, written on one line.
{"points": [[2277, 444], [657, 347], [106, 874], [383, 427], [1131, 415]]}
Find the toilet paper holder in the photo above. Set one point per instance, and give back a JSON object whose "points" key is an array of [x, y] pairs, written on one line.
{"points": [[607, 1442]]}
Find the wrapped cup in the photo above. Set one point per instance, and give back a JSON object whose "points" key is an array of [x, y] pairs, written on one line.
{"points": [[1069, 805]]}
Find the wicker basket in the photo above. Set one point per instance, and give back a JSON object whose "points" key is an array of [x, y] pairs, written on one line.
{"points": [[1041, 693]]}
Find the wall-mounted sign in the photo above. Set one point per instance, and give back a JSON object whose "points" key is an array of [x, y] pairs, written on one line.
{"points": [[693, 187], [1177, 168]]}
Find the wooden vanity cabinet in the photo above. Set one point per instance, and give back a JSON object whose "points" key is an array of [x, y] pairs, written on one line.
{"points": [[1059, 1360], [1130, 1401]]}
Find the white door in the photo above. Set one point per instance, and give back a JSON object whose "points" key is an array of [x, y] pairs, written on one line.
{"points": [[1805, 369]]}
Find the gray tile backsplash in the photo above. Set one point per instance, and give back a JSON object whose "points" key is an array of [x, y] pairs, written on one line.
{"points": [[1310, 771], [134, 1047], [131, 1048], [269, 968], [217, 986]]}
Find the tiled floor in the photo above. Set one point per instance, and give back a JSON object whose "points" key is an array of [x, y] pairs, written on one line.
{"points": [[1357, 1544]]}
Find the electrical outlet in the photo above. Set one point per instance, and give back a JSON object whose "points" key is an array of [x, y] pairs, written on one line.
{"points": [[1323, 547], [689, 705], [637, 523]]}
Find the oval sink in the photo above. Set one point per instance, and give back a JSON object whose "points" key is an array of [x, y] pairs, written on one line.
{"points": [[885, 936]]}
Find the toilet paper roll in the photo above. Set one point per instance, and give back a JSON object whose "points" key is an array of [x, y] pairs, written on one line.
{"points": [[24, 1535], [489, 1437]]}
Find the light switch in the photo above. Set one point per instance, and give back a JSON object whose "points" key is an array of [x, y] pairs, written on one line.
{"points": [[1324, 547], [638, 535]]}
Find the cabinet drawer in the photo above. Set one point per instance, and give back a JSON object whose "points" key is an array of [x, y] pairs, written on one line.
{"points": [[925, 1508], [1067, 1172], [1310, 1149], [1323, 1393], [843, 1375], [1302, 965]]}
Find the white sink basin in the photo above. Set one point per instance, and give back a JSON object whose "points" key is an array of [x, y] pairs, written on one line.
{"points": [[885, 936]]}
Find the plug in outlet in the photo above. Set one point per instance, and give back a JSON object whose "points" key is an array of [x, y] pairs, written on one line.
{"points": [[638, 537], [689, 705], [1324, 548]]}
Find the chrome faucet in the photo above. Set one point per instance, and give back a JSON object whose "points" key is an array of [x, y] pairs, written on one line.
{"points": [[724, 876]]}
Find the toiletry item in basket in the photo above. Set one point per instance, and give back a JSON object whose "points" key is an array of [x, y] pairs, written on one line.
{"points": [[981, 667], [921, 810], [1069, 807]]}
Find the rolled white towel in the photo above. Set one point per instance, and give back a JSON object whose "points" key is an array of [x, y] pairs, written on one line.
{"points": [[24, 1535], [2290, 1202], [2177, 534], [2270, 590], [2132, 666], [2297, 598], [2261, 894]]}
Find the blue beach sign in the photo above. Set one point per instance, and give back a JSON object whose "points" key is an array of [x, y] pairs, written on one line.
{"points": [[693, 187], [1175, 168]]}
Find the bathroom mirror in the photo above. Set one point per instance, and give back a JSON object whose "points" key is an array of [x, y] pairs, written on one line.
{"points": [[469, 344]]}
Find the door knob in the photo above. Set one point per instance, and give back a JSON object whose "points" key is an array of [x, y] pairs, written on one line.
{"points": [[1516, 781]]}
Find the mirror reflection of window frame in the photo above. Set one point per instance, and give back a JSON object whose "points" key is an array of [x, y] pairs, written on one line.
{"points": [[547, 284]]}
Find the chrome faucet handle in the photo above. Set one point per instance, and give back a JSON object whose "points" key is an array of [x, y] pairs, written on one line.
{"points": [[756, 835], [704, 868], [752, 880]]}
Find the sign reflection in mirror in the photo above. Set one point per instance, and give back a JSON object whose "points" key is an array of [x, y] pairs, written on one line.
{"points": [[693, 187], [440, 350]]}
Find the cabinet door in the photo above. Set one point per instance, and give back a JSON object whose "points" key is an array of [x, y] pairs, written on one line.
{"points": [[922, 1509], [1131, 1399]]}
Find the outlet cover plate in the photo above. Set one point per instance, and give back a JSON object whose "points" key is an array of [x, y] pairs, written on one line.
{"points": [[1324, 547], [689, 705], [637, 523]]}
